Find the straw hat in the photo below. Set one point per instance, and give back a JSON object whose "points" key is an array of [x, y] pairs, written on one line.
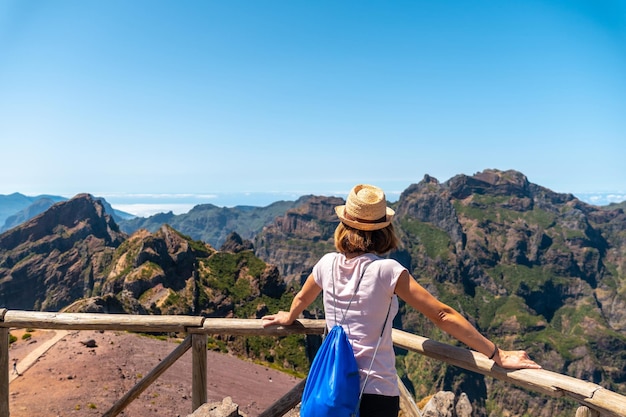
{"points": [[365, 209]]}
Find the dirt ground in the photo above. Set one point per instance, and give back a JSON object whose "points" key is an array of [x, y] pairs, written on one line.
{"points": [[73, 379]]}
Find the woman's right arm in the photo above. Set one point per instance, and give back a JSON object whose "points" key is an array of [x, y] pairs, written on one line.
{"points": [[309, 292]]}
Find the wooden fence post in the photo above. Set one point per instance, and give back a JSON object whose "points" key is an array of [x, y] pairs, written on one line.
{"points": [[4, 372], [198, 372], [407, 403], [584, 411]]}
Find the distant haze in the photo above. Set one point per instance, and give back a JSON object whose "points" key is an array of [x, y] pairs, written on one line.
{"points": [[146, 205]]}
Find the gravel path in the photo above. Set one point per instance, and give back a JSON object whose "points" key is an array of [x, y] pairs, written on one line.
{"points": [[33, 356]]}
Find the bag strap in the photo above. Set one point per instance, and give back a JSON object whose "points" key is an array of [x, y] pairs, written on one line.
{"points": [[367, 375], [358, 284]]}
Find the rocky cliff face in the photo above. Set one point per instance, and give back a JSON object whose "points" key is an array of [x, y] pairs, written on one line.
{"points": [[295, 241]]}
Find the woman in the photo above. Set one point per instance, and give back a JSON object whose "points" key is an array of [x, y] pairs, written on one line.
{"points": [[364, 233]]}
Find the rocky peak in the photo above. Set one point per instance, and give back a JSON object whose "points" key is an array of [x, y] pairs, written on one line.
{"points": [[55, 257], [429, 202], [153, 266], [78, 217], [490, 181], [311, 218], [234, 243]]}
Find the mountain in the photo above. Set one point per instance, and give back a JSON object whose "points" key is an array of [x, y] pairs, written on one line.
{"points": [[76, 252], [12, 204], [529, 267], [17, 208], [613, 206], [38, 206], [213, 224], [52, 259], [168, 273], [533, 268]]}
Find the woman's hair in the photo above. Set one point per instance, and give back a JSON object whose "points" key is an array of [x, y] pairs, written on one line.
{"points": [[381, 241]]}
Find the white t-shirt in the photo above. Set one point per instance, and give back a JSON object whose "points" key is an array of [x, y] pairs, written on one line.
{"points": [[365, 319]]}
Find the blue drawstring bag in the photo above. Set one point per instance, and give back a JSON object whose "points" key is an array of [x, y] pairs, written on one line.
{"points": [[332, 388]]}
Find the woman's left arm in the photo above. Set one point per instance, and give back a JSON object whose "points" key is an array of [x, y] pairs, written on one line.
{"points": [[453, 323]]}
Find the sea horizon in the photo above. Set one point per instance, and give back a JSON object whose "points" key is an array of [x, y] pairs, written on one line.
{"points": [[148, 204]]}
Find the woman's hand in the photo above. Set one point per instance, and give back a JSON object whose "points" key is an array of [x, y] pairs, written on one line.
{"points": [[515, 359], [302, 299], [282, 318]]}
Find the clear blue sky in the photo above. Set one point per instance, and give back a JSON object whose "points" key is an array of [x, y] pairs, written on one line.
{"points": [[206, 97]]}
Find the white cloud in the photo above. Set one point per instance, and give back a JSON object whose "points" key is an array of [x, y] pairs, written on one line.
{"points": [[148, 209], [602, 199]]}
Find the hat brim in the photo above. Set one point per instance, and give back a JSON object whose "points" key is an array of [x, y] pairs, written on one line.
{"points": [[341, 210]]}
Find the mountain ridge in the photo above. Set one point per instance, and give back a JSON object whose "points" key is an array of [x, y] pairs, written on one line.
{"points": [[17, 208], [213, 224]]}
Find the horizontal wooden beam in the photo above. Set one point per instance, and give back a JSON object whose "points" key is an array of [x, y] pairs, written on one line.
{"points": [[95, 321], [547, 382], [255, 327]]}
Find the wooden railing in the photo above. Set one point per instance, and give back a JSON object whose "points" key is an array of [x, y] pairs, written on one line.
{"points": [[594, 400]]}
